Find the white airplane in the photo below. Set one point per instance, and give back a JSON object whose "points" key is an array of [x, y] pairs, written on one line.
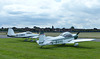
{"points": [[64, 38], [27, 34]]}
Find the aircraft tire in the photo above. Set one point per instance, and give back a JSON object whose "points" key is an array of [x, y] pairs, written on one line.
{"points": [[76, 44]]}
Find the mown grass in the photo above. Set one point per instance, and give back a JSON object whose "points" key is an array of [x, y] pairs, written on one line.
{"points": [[81, 35], [89, 35], [3, 33], [16, 48]]}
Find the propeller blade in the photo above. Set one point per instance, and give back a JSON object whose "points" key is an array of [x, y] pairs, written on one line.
{"points": [[75, 37], [77, 33]]}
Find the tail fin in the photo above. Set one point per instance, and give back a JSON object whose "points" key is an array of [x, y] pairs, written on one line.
{"points": [[10, 32], [41, 38]]}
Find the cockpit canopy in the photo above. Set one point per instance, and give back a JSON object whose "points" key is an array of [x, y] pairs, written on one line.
{"points": [[66, 34], [28, 32]]}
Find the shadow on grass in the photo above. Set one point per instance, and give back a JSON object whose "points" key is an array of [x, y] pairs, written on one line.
{"points": [[59, 46], [26, 41], [18, 41]]}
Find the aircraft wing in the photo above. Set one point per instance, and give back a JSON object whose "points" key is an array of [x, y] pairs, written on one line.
{"points": [[82, 40]]}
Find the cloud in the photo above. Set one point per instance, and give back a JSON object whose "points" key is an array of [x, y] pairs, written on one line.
{"points": [[45, 13]]}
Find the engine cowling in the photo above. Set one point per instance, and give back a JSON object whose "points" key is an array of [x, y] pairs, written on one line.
{"points": [[75, 37]]}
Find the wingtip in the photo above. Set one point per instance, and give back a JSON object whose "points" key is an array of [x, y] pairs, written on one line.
{"points": [[93, 39]]}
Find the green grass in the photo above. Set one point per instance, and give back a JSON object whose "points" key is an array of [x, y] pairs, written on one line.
{"points": [[81, 35], [15, 48]]}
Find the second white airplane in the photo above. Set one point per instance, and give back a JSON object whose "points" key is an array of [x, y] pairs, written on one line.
{"points": [[63, 38], [27, 34]]}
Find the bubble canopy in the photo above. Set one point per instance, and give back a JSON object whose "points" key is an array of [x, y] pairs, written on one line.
{"points": [[28, 32], [66, 34]]}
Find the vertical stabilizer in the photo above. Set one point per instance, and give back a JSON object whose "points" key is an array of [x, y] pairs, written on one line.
{"points": [[41, 38], [10, 32]]}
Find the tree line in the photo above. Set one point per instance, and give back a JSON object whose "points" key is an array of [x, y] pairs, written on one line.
{"points": [[47, 29]]}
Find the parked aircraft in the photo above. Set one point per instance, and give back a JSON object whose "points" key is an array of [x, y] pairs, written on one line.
{"points": [[27, 34], [63, 38]]}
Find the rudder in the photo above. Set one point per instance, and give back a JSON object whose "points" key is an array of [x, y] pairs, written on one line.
{"points": [[41, 38], [10, 32]]}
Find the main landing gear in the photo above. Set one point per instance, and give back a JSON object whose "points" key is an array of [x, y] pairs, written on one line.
{"points": [[76, 44], [26, 40], [41, 47]]}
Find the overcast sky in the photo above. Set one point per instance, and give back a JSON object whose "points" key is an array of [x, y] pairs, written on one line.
{"points": [[45, 13]]}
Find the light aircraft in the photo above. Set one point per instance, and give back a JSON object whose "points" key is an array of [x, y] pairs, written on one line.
{"points": [[64, 38], [26, 34]]}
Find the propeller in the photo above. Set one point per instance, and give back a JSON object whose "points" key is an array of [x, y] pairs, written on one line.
{"points": [[77, 33], [76, 36]]}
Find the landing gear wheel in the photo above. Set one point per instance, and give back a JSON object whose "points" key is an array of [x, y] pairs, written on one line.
{"points": [[31, 40], [41, 47], [35, 40], [76, 44], [26, 40], [63, 44]]}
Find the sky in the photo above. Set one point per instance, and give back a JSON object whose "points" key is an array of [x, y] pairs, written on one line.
{"points": [[47, 13]]}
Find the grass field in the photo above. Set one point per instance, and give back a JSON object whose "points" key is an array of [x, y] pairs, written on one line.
{"points": [[2, 33], [81, 35], [15, 48]]}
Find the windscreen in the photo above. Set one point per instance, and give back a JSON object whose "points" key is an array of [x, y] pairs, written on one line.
{"points": [[28, 32], [66, 34]]}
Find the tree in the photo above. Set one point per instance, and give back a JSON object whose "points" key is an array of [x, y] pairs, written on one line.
{"points": [[2, 28], [72, 27], [95, 28], [52, 27]]}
